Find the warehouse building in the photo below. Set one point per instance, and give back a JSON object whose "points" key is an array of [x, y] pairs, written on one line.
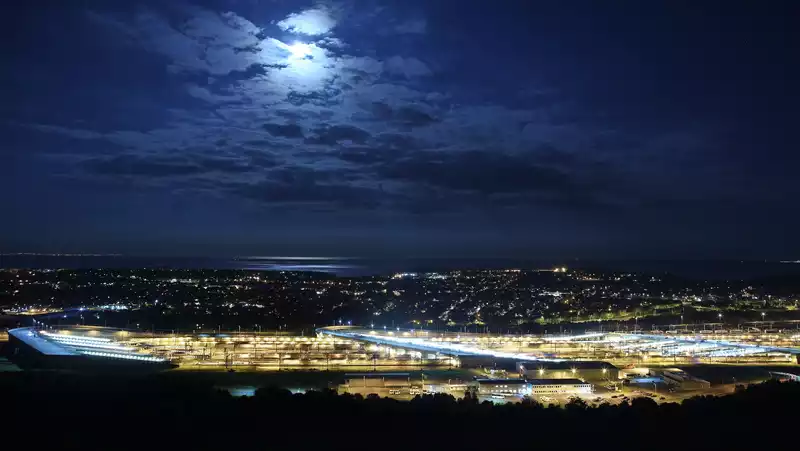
{"points": [[382, 384], [681, 379], [560, 387], [504, 387]]}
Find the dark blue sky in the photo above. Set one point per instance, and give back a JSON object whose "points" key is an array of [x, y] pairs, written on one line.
{"points": [[401, 128]]}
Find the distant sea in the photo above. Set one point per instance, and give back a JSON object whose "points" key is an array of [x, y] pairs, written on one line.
{"points": [[713, 270]]}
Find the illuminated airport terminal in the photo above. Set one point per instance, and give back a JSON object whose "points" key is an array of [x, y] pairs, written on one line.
{"points": [[589, 356], [381, 362], [685, 347]]}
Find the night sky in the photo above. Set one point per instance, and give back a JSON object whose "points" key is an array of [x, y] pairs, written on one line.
{"points": [[401, 128]]}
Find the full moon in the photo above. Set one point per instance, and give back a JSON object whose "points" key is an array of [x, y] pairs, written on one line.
{"points": [[300, 50]]}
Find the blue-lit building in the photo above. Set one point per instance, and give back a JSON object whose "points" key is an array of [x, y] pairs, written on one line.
{"points": [[30, 347]]}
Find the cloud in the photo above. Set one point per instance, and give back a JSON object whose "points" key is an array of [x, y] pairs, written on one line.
{"points": [[338, 134], [407, 67], [412, 116], [138, 166], [164, 166], [315, 21], [397, 141], [405, 116], [371, 127], [215, 43], [302, 185], [503, 178], [261, 158], [202, 93], [414, 26], [285, 130], [76, 133], [225, 165], [367, 155]]}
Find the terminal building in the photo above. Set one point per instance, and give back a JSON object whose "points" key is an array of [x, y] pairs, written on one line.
{"points": [[30, 347], [589, 370]]}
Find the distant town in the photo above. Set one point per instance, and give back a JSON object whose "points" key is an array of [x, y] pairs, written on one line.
{"points": [[509, 300]]}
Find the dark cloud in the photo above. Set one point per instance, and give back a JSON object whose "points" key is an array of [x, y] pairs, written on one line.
{"points": [[266, 144], [302, 187], [413, 117], [404, 116], [227, 165], [549, 155], [483, 172], [338, 134], [152, 166], [381, 110], [299, 114], [397, 141], [139, 166], [285, 130], [322, 97], [261, 158], [299, 175], [407, 67], [367, 155]]}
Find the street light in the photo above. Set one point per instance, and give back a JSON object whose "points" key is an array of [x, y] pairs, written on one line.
{"points": [[763, 315]]}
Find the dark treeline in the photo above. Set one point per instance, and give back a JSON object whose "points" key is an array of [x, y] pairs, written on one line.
{"points": [[91, 412]]}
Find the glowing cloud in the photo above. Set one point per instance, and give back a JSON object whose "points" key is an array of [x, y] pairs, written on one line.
{"points": [[315, 21], [300, 50]]}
